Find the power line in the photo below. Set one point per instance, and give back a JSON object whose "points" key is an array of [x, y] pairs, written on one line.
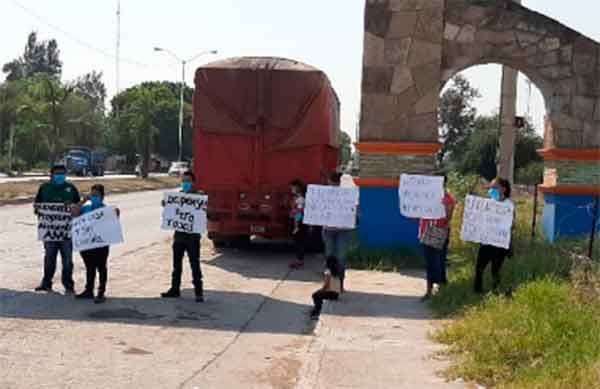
{"points": [[75, 38]]}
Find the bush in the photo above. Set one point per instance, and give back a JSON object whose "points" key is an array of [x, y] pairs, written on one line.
{"points": [[531, 174]]}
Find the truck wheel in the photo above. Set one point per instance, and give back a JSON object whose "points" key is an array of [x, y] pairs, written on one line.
{"points": [[241, 241]]}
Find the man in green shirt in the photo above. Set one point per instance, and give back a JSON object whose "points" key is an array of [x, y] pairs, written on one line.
{"points": [[58, 190]]}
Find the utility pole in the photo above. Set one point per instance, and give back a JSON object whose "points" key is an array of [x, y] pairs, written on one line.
{"points": [[508, 111]]}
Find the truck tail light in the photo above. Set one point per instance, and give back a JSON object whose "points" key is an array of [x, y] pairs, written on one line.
{"points": [[267, 197], [242, 196], [244, 206]]}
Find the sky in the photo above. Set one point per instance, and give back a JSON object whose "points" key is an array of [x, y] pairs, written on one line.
{"points": [[327, 34]]}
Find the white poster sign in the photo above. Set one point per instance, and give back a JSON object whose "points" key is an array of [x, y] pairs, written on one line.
{"points": [[487, 221], [185, 212], [421, 196], [54, 222], [331, 206], [95, 229]]}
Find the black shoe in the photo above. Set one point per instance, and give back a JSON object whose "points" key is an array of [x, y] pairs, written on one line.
{"points": [[199, 295], [43, 288], [314, 314], [69, 291], [171, 293], [99, 299], [85, 295]]}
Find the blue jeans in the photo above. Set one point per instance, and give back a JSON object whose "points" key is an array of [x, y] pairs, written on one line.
{"points": [[337, 244], [66, 255]]}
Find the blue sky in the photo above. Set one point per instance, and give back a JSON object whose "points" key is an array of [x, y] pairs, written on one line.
{"points": [[323, 33]]}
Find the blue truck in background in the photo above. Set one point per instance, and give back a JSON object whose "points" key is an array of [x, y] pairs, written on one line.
{"points": [[83, 161]]}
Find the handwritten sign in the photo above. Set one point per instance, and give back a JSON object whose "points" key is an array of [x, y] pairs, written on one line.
{"points": [[487, 221], [54, 222], [185, 212], [331, 206], [421, 196], [99, 228]]}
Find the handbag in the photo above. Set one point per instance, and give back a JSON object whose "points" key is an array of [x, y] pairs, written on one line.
{"points": [[435, 236]]}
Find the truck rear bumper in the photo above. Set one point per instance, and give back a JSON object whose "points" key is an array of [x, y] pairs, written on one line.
{"points": [[234, 228]]}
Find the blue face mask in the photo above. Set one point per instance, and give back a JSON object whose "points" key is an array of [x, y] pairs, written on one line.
{"points": [[186, 187], [96, 201], [59, 179], [494, 193]]}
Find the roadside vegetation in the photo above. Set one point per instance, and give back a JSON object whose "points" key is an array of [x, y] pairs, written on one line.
{"points": [[24, 191]]}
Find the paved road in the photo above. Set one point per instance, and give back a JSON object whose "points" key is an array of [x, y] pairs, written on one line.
{"points": [[4, 179], [252, 332]]}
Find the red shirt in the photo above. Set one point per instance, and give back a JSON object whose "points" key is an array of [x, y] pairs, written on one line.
{"points": [[449, 202]]}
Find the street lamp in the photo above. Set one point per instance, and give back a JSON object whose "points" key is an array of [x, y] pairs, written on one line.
{"points": [[183, 63]]}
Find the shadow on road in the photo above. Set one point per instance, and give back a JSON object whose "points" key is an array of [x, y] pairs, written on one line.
{"points": [[223, 310]]}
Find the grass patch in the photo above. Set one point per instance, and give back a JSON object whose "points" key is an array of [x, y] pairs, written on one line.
{"points": [[28, 189], [385, 260], [542, 330]]}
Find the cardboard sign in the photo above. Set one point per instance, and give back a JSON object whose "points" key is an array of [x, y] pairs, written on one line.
{"points": [[54, 222], [99, 228], [185, 213], [487, 221], [331, 206], [421, 196]]}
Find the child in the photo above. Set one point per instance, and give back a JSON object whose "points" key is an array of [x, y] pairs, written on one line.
{"points": [[500, 191], [95, 259], [332, 287], [297, 215]]}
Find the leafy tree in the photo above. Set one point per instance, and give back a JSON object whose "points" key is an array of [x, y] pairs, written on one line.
{"points": [[38, 57], [165, 120], [345, 149], [456, 115], [479, 150], [91, 87]]}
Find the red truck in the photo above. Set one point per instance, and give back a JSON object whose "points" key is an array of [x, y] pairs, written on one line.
{"points": [[259, 123]]}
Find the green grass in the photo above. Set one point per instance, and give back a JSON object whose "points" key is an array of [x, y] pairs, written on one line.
{"points": [[542, 327]]}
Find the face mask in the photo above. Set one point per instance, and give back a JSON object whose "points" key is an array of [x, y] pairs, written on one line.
{"points": [[494, 193], [59, 179], [186, 186], [96, 201]]}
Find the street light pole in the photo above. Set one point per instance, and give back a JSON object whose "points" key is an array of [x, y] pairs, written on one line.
{"points": [[182, 90]]}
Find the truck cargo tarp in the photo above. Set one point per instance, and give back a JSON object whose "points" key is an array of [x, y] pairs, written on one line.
{"points": [[270, 97]]}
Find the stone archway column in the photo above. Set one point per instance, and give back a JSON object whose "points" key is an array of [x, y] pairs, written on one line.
{"points": [[399, 124]]}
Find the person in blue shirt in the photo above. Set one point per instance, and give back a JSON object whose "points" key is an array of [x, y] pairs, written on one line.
{"points": [[95, 260]]}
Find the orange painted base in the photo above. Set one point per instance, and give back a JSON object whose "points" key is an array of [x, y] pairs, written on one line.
{"points": [[574, 190]]}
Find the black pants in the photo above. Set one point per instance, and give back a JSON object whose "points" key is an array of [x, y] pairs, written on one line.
{"points": [[321, 295], [95, 261], [300, 241], [192, 247], [487, 254]]}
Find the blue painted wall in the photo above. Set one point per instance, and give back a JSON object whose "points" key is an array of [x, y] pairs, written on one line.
{"points": [[567, 216], [381, 224]]}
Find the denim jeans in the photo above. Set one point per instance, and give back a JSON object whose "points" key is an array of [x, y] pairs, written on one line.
{"points": [[66, 255], [337, 244]]}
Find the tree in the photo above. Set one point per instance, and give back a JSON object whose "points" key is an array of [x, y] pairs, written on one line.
{"points": [[456, 115], [38, 57], [165, 119], [91, 87], [479, 149], [345, 149]]}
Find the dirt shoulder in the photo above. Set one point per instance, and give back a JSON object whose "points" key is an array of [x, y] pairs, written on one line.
{"points": [[22, 192]]}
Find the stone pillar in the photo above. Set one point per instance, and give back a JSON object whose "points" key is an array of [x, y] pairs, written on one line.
{"points": [[508, 109], [508, 132], [398, 125]]}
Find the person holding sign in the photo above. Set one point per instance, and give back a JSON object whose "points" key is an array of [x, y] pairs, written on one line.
{"points": [[337, 240], [499, 190], [95, 260], [57, 191], [299, 229], [186, 242], [434, 235]]}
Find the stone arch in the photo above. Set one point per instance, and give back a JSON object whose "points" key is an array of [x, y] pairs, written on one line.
{"points": [[564, 64], [412, 47]]}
